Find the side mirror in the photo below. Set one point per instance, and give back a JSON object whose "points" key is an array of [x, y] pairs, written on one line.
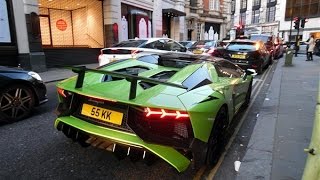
{"points": [[251, 72]]}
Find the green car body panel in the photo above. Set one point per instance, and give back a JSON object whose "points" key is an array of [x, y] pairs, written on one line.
{"points": [[202, 104]]}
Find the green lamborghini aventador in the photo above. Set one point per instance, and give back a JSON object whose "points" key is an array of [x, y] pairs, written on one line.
{"points": [[176, 107]]}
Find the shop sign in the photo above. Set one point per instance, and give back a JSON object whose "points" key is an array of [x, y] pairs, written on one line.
{"points": [[5, 36], [61, 25]]}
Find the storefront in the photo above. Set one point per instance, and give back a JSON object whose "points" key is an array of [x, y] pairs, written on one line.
{"points": [[135, 22], [211, 31], [168, 16], [71, 31]]}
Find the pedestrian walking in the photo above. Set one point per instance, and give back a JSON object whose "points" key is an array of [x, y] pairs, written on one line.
{"points": [[311, 43]]}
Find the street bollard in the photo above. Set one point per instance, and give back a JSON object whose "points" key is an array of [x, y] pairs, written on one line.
{"points": [[289, 56]]}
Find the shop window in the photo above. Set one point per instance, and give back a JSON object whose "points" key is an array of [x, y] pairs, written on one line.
{"points": [[71, 24]]}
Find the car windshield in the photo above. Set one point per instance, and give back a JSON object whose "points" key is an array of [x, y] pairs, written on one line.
{"points": [[262, 38], [241, 46], [184, 43], [203, 43], [130, 43]]}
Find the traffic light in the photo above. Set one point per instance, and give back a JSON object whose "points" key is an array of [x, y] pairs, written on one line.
{"points": [[296, 22], [303, 22]]}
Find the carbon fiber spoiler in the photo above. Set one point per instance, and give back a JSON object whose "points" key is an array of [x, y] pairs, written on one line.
{"points": [[81, 70]]}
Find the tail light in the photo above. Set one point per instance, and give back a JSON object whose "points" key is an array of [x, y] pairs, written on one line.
{"points": [[65, 102], [162, 113], [163, 126], [135, 52]]}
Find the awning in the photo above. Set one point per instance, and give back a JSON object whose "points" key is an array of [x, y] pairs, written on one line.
{"points": [[173, 12]]}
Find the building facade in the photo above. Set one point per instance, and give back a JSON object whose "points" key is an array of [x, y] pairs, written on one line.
{"points": [[255, 16], [207, 19], [309, 9], [37, 34]]}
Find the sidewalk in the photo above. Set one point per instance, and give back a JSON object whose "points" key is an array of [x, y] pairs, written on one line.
{"points": [[284, 127], [58, 74]]}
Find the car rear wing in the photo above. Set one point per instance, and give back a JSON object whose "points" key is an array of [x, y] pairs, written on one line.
{"points": [[81, 71]]}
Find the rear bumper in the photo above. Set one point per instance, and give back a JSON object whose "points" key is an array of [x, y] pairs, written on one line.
{"points": [[248, 64], [168, 154]]}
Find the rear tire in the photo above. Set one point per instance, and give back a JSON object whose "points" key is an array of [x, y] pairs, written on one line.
{"points": [[217, 138], [260, 69]]}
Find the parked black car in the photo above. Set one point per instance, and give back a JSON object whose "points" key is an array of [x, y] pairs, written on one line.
{"points": [[248, 54], [20, 91]]}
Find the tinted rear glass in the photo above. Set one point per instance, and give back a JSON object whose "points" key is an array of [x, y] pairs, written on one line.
{"points": [[262, 38], [241, 46], [130, 43]]}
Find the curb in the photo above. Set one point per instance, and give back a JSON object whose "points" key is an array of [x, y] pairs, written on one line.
{"points": [[257, 162]]}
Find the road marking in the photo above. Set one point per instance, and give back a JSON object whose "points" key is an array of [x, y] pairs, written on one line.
{"points": [[258, 87]]}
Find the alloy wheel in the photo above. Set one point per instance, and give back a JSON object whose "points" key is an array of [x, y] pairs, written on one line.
{"points": [[16, 102]]}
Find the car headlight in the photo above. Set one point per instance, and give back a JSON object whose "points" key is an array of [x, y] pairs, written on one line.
{"points": [[35, 75]]}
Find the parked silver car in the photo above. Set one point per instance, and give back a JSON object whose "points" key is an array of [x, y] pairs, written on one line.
{"points": [[137, 47]]}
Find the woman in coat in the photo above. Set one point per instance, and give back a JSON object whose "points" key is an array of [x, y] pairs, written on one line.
{"points": [[310, 49]]}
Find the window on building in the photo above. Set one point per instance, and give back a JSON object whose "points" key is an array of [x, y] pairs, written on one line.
{"points": [[193, 3], [270, 1], [271, 12], [243, 4], [214, 5], [232, 20], [198, 31], [302, 8], [255, 16], [256, 2], [217, 5], [211, 4], [233, 6], [193, 6], [243, 18]]}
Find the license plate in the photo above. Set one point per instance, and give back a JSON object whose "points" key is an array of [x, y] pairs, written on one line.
{"points": [[102, 114], [197, 51], [112, 59], [238, 56]]}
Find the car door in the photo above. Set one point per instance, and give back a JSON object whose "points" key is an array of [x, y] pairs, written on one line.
{"points": [[238, 85]]}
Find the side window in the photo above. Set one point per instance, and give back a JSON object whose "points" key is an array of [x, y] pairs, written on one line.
{"points": [[172, 46], [228, 69], [156, 45]]}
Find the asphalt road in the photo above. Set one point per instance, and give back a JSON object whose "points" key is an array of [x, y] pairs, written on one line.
{"points": [[34, 149]]}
